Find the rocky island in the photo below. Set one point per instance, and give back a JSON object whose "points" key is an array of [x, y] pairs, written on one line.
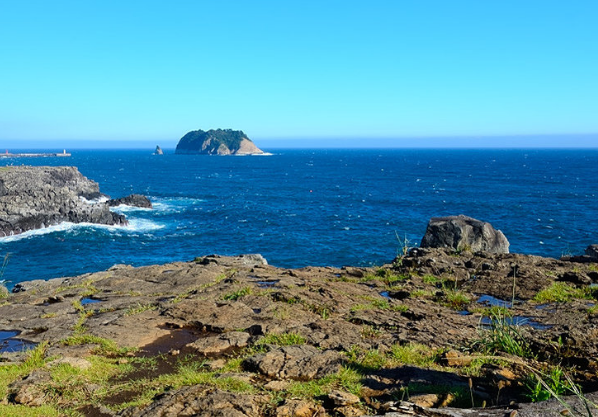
{"points": [[217, 142], [37, 197], [438, 331]]}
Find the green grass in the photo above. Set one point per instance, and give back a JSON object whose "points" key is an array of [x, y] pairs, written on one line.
{"points": [[431, 279], [282, 339], [140, 308], [413, 354], [235, 295], [456, 300], [347, 379], [554, 381], [502, 336], [560, 292]]}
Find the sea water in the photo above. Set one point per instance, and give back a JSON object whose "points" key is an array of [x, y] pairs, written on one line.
{"points": [[312, 207]]}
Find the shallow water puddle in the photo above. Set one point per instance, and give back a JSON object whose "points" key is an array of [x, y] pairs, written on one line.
{"points": [[494, 302], [85, 301], [385, 294], [516, 321], [9, 344], [267, 284]]}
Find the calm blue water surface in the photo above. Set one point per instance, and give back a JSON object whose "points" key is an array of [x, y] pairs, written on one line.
{"points": [[304, 207]]}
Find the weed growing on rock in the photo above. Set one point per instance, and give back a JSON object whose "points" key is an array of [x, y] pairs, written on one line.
{"points": [[414, 354], [235, 295], [282, 339], [140, 308], [560, 292], [555, 383], [501, 335]]}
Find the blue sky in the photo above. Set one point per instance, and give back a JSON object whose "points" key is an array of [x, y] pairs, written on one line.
{"points": [[395, 72]]}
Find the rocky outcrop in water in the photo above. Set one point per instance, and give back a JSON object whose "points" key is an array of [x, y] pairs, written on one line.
{"points": [[37, 197], [464, 233], [217, 142], [133, 200]]}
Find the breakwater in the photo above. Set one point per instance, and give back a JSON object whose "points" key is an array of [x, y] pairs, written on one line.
{"points": [[34, 155]]}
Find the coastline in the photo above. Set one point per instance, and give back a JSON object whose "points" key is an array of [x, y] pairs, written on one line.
{"points": [[262, 338]]}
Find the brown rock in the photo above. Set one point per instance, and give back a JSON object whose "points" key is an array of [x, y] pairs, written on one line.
{"points": [[342, 398], [295, 362], [219, 344], [300, 408]]}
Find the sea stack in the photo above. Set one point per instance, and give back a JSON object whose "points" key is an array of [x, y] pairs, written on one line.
{"points": [[217, 142]]}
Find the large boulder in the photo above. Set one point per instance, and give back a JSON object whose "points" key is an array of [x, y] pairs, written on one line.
{"points": [[464, 233], [36, 197]]}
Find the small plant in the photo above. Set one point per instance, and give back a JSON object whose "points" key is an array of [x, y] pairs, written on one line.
{"points": [[235, 295], [554, 383], [560, 292], [139, 308], [456, 299], [413, 354], [431, 279], [370, 332], [502, 335], [282, 339]]}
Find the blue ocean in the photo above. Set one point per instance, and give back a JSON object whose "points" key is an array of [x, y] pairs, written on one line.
{"points": [[312, 207]]}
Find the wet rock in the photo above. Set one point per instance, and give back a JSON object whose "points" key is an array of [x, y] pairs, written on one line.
{"points": [[295, 362], [464, 233], [38, 197], [592, 252], [133, 200], [219, 344]]}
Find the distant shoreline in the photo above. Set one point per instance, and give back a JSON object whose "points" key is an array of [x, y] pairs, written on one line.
{"points": [[34, 155]]}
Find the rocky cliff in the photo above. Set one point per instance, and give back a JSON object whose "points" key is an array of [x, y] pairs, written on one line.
{"points": [[36, 197], [217, 142]]}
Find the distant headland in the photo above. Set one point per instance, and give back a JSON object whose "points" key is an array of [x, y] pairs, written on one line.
{"points": [[217, 142]]}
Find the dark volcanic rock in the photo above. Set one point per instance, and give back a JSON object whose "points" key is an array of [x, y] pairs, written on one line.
{"points": [[464, 233], [592, 252], [135, 200], [36, 197]]}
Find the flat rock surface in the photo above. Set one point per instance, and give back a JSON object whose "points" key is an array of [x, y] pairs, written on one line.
{"points": [[344, 320]]}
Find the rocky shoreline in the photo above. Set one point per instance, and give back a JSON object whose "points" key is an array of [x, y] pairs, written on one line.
{"points": [[234, 336], [37, 197]]}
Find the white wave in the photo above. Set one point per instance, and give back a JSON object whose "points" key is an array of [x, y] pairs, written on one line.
{"points": [[134, 226], [175, 204], [123, 208], [99, 200]]}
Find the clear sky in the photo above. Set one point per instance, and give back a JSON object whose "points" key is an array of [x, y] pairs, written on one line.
{"points": [[147, 71]]}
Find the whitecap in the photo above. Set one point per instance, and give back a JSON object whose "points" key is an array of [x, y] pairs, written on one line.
{"points": [[123, 208], [99, 200], [135, 225]]}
